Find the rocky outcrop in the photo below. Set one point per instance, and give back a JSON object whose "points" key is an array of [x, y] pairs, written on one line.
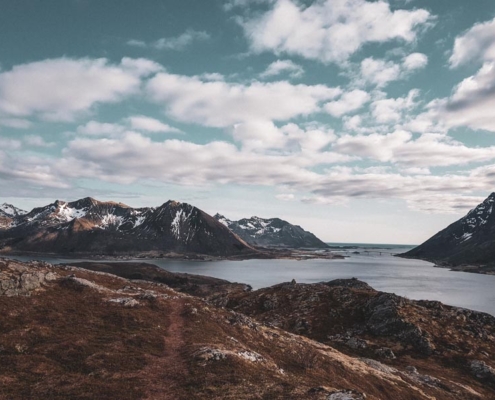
{"points": [[17, 279]]}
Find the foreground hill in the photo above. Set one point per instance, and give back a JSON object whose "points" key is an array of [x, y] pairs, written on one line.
{"points": [[68, 332], [272, 232], [88, 226], [470, 240]]}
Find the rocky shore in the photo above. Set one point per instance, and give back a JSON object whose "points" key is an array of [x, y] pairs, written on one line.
{"points": [[133, 331]]}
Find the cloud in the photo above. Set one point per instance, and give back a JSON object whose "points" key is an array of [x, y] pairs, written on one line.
{"points": [[95, 128], [9, 144], [415, 61], [16, 123], [37, 141], [61, 89], [263, 135], [390, 110], [379, 72], [472, 102], [176, 43], [148, 124], [349, 102], [475, 45], [283, 66], [285, 197], [134, 157], [330, 30], [223, 104], [429, 150]]}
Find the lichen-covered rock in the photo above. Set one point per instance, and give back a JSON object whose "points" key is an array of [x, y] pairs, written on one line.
{"points": [[18, 280], [482, 370], [209, 354], [346, 395], [385, 352]]}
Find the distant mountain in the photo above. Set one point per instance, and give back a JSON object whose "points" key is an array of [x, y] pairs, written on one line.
{"points": [[273, 232], [7, 213], [470, 240], [91, 226]]}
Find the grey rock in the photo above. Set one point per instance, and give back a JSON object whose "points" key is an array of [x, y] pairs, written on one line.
{"points": [[385, 352], [482, 370]]}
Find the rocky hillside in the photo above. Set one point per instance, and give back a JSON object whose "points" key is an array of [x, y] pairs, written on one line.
{"points": [[108, 228], [68, 332], [470, 240], [442, 347], [273, 232]]}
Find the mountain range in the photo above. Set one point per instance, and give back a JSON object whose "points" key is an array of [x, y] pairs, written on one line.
{"points": [[89, 226], [273, 232], [470, 240]]}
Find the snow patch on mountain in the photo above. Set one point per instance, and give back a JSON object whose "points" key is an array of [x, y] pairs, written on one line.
{"points": [[475, 219], [8, 210]]}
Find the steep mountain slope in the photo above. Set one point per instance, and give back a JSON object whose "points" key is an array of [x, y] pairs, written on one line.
{"points": [[91, 226], [273, 232], [470, 240]]}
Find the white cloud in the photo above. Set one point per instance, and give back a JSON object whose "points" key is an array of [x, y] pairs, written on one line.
{"points": [[349, 102], [415, 61], [389, 110], [9, 144], [16, 123], [222, 104], [283, 66], [182, 41], [175, 43], [285, 197], [330, 30], [428, 150], [95, 128], [60, 89], [475, 45], [148, 124], [379, 72], [472, 102], [37, 141]]}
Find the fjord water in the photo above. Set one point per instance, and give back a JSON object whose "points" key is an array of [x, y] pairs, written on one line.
{"points": [[375, 265]]}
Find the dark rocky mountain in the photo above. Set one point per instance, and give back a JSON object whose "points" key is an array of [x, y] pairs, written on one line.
{"points": [[109, 228], [73, 333], [272, 232], [470, 240]]}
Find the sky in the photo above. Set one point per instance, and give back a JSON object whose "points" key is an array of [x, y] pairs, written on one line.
{"points": [[361, 121]]}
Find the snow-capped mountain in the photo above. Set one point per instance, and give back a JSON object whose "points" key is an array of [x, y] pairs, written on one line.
{"points": [[272, 232], [8, 210], [7, 213], [470, 240], [91, 226]]}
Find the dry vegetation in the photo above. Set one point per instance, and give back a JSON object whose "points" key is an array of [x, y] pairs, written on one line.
{"points": [[72, 333]]}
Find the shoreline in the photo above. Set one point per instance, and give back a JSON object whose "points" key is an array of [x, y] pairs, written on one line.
{"points": [[265, 254], [471, 268]]}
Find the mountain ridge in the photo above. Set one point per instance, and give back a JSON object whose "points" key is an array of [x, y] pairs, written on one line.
{"points": [[271, 232], [91, 226], [467, 241]]}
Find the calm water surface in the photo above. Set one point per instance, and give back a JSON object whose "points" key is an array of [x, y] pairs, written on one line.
{"points": [[411, 278]]}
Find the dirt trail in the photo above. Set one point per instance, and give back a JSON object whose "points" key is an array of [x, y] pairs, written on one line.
{"points": [[166, 373]]}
